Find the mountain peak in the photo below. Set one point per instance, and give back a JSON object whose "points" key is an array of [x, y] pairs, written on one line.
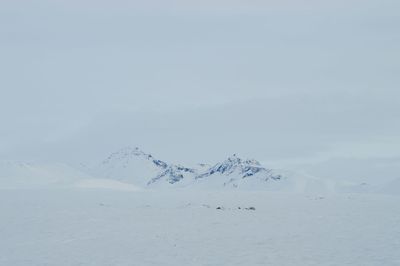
{"points": [[132, 150], [235, 159], [133, 165], [126, 153], [235, 166]]}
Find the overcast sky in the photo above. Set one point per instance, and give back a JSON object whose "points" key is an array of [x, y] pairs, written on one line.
{"points": [[312, 85]]}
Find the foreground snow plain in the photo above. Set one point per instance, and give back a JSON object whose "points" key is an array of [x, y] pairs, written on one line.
{"points": [[91, 225]]}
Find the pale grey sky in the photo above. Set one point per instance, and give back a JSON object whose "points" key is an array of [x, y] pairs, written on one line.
{"points": [[306, 84]]}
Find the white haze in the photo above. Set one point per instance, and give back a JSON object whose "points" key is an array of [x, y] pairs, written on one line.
{"points": [[296, 84]]}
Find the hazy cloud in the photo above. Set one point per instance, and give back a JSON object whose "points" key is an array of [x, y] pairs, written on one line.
{"points": [[197, 80]]}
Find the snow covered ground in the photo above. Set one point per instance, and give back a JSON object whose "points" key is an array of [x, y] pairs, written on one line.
{"points": [[91, 225]]}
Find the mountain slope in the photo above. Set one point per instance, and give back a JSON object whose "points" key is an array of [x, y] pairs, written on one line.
{"points": [[21, 175], [34, 175], [235, 172], [134, 166]]}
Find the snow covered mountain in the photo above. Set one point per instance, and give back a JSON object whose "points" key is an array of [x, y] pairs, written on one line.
{"points": [[235, 172], [132, 165], [21, 174], [17, 175], [132, 169]]}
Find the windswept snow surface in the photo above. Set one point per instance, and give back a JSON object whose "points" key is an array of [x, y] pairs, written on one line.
{"points": [[138, 210], [102, 227]]}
